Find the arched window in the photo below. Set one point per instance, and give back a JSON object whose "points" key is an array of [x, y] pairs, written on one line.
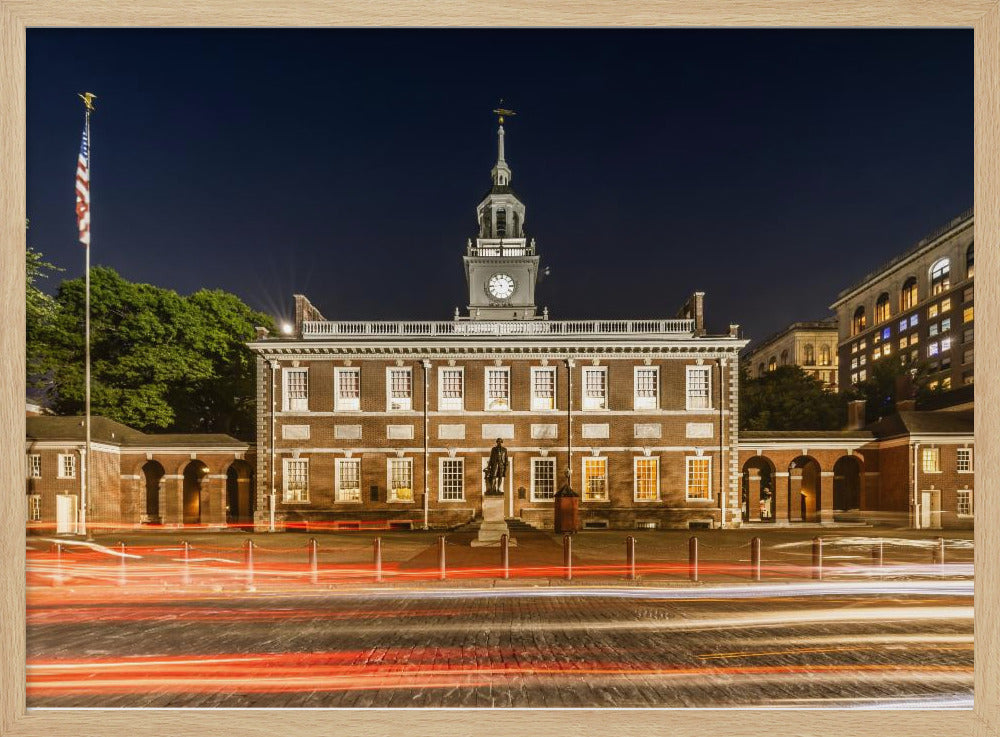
{"points": [[908, 297], [808, 355], [970, 270], [501, 223], [882, 308], [772, 363], [824, 355], [940, 276], [784, 358], [858, 323], [760, 369]]}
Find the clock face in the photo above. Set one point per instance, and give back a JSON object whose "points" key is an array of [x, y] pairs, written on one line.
{"points": [[500, 286]]}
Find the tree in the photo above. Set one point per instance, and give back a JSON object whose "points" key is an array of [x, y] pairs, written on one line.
{"points": [[38, 314], [789, 399], [159, 361]]}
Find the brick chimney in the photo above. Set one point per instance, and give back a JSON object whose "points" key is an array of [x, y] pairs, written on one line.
{"points": [[856, 414], [304, 312], [694, 309]]}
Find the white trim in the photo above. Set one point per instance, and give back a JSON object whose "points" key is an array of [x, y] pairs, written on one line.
{"points": [[555, 388], [336, 481], [583, 460], [486, 389], [510, 449], [441, 462], [456, 406], [971, 468], [34, 465], [390, 495], [635, 478], [405, 402], [687, 478], [531, 491], [345, 405], [61, 468], [645, 405], [514, 413], [586, 403], [301, 404], [285, 462], [688, 371]]}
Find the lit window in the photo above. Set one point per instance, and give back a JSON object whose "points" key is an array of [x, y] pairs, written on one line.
{"points": [[877, 354], [646, 387], [908, 296], [647, 479], [67, 467], [595, 388], [497, 389], [940, 276], [772, 363], [963, 461], [296, 480], [854, 363], [699, 387], [348, 480], [808, 355], [945, 344], [348, 383], [543, 479], [930, 460], [400, 386], [902, 342], [824, 355], [882, 308], [932, 311], [932, 349], [932, 330], [886, 349], [543, 388], [854, 378], [854, 347], [451, 388], [963, 502], [595, 479], [858, 323], [970, 270], [886, 333], [876, 338], [902, 325], [862, 374], [296, 390], [34, 507], [946, 325], [945, 304], [968, 314], [914, 319], [400, 479], [699, 477], [452, 479], [863, 359], [914, 338], [946, 381], [34, 466], [862, 345]]}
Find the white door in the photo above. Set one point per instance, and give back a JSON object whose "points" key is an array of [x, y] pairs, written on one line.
{"points": [[925, 509], [65, 514]]}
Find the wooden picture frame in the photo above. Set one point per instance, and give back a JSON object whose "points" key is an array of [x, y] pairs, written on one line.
{"points": [[16, 15]]}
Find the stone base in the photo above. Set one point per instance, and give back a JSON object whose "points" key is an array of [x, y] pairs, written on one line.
{"points": [[493, 526]]}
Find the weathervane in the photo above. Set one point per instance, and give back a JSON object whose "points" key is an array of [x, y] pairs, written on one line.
{"points": [[501, 111], [88, 100]]}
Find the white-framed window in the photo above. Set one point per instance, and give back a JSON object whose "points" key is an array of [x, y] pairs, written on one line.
{"points": [[347, 389], [963, 502], [34, 507], [595, 479], [646, 472], [67, 466], [963, 463], [295, 383], [543, 388], [296, 480], [647, 387], [543, 479], [940, 276], [399, 388], [699, 477], [400, 478], [945, 344], [595, 387], [347, 480], [930, 460], [497, 389], [699, 387], [452, 480], [34, 466], [451, 388]]}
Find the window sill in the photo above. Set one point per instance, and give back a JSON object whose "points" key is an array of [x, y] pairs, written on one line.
{"points": [[399, 501], [646, 501], [533, 500], [451, 501], [349, 502], [699, 501], [966, 473], [295, 501]]}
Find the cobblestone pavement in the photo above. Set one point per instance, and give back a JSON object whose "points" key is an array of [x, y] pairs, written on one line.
{"points": [[828, 644]]}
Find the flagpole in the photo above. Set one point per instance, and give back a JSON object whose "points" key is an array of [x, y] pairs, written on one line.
{"points": [[85, 466]]}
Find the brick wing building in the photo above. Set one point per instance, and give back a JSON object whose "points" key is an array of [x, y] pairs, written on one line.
{"points": [[394, 421]]}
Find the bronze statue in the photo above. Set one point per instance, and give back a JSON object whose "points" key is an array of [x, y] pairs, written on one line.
{"points": [[496, 469]]}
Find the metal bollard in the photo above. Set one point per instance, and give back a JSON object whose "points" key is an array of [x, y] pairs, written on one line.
{"points": [[755, 559], [630, 557], [817, 566], [377, 553], [248, 559], [939, 551], [877, 554], [567, 557], [121, 564], [313, 561], [693, 558], [441, 561], [186, 556], [505, 555]]}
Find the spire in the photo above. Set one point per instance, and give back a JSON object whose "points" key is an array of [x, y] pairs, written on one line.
{"points": [[501, 173]]}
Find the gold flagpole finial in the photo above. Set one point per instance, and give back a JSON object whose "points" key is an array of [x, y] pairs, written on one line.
{"points": [[501, 111], [88, 100]]}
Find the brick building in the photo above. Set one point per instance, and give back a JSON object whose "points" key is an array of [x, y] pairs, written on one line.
{"points": [[393, 421], [810, 345], [918, 307]]}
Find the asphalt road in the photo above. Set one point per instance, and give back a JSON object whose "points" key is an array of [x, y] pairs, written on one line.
{"points": [[843, 644]]}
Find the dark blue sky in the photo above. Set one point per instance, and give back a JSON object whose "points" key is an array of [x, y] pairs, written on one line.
{"points": [[768, 168]]}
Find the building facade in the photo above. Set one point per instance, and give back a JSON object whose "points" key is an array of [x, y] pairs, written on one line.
{"points": [[919, 307], [810, 345], [392, 422]]}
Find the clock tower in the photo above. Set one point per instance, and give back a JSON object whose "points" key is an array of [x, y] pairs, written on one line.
{"points": [[501, 267]]}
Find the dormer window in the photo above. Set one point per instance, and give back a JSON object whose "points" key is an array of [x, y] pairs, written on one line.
{"points": [[501, 223]]}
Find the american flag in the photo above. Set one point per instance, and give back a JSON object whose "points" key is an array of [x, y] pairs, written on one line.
{"points": [[83, 190]]}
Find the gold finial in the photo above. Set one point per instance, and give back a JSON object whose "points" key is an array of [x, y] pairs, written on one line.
{"points": [[501, 111], [88, 100]]}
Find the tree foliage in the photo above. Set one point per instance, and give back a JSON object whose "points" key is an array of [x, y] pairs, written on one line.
{"points": [[789, 399], [38, 314], [159, 360]]}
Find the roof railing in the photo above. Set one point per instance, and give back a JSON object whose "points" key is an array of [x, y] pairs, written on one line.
{"points": [[486, 328]]}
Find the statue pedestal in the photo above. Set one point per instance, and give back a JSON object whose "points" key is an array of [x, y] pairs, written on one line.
{"points": [[493, 525]]}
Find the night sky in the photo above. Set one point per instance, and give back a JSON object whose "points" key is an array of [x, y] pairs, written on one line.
{"points": [[769, 169]]}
